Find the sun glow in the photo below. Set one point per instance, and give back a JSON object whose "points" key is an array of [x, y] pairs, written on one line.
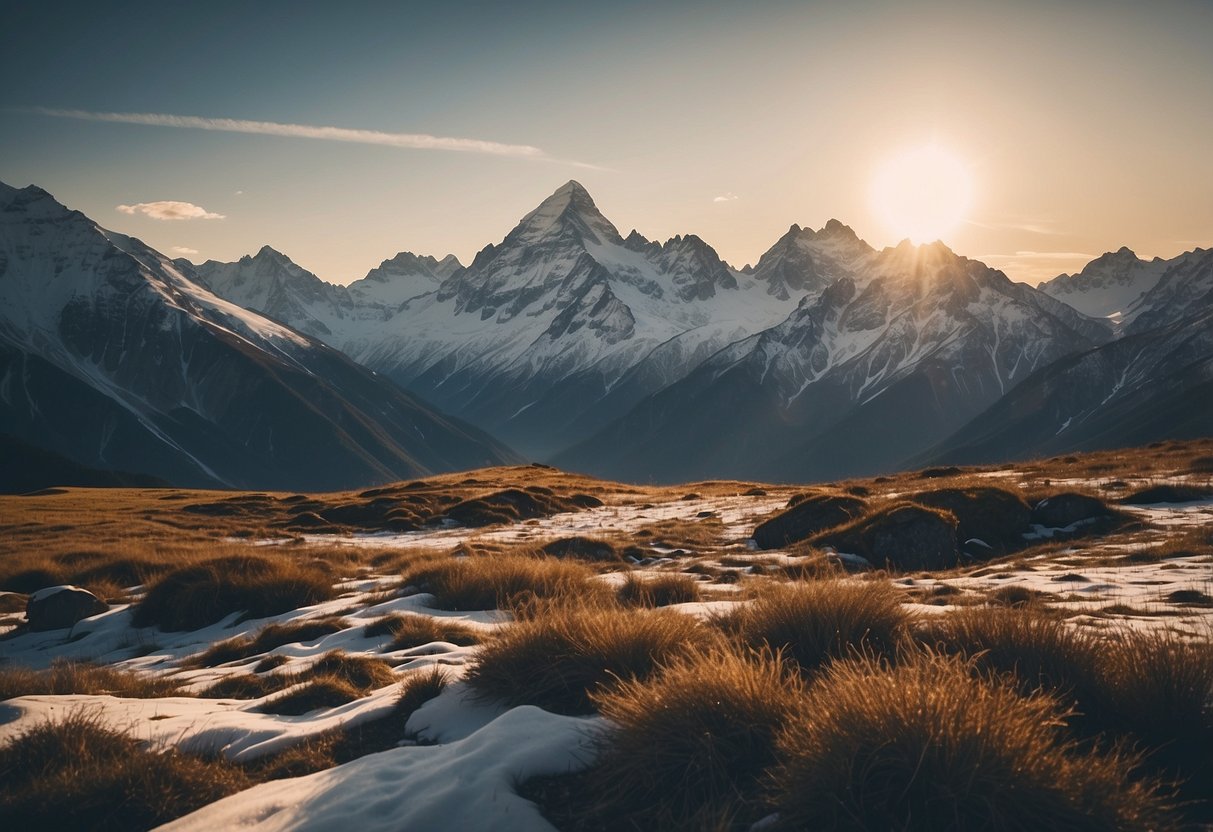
{"points": [[922, 193]]}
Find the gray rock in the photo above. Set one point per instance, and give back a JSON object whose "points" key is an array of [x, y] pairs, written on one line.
{"points": [[59, 607], [1065, 509]]}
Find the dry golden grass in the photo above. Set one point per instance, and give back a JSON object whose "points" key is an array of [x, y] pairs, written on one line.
{"points": [[266, 639], [1150, 689], [68, 677], [690, 535], [419, 687], [927, 745], [688, 746], [334, 679], [559, 656], [815, 622], [658, 590], [505, 581], [77, 773], [318, 693], [409, 631], [248, 686], [194, 596], [345, 743]]}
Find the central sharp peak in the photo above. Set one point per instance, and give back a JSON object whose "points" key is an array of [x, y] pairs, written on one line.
{"points": [[570, 209], [270, 254]]}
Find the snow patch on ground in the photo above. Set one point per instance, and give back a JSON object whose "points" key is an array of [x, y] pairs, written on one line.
{"points": [[465, 784]]}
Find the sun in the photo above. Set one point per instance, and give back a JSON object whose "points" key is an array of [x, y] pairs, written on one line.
{"points": [[923, 193]]}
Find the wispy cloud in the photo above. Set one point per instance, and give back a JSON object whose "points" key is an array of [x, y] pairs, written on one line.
{"points": [[411, 141], [169, 210], [1041, 255], [729, 197], [1043, 228], [183, 250]]}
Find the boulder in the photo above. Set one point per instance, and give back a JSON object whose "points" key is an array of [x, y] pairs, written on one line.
{"points": [[512, 505], [1169, 494], [582, 548], [993, 515], [807, 517], [59, 607], [1067, 508], [902, 536]]}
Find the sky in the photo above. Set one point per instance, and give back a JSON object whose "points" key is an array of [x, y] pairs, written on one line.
{"points": [[1082, 126]]}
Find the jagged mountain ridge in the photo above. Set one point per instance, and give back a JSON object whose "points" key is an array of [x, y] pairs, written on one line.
{"points": [[565, 323], [1145, 387], [855, 380], [1135, 294], [271, 283], [856, 359], [111, 355]]}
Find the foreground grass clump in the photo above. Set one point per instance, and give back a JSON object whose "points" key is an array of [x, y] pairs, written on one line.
{"points": [[508, 580], [558, 657], [409, 631], [1035, 650], [928, 745], [420, 687], [687, 748], [67, 677], [345, 743], [1155, 686], [268, 638], [659, 590], [814, 622], [248, 686], [80, 774], [335, 679], [1160, 689], [195, 596]]}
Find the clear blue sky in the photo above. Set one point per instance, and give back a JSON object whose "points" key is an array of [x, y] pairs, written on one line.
{"points": [[1087, 125]]}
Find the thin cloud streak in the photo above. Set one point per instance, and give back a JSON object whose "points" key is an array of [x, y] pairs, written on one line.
{"points": [[169, 210], [1041, 255], [1029, 227], [410, 141]]}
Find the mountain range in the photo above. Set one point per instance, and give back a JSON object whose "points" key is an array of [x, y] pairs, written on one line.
{"points": [[612, 354], [115, 358]]}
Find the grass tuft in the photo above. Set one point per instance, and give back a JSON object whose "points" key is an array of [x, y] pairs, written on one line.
{"points": [[658, 591], [322, 691], [687, 747], [420, 687], [505, 581], [558, 658], [79, 774], [927, 745], [410, 631], [68, 677], [815, 622], [268, 638], [194, 596]]}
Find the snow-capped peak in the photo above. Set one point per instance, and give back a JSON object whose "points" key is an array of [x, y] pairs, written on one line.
{"points": [[570, 208], [1109, 286]]}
